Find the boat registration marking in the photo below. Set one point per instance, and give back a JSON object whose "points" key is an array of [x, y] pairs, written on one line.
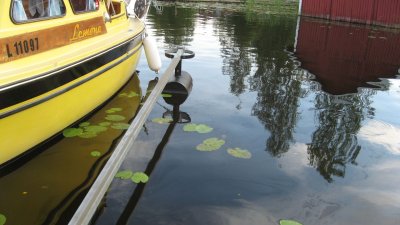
{"points": [[23, 47], [20, 46]]}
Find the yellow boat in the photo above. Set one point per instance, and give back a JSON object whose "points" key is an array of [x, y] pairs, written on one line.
{"points": [[59, 60]]}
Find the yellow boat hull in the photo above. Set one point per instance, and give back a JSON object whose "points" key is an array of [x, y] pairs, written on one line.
{"points": [[25, 129], [59, 80]]}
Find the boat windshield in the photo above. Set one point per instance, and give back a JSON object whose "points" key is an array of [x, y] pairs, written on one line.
{"points": [[25, 10], [84, 5]]}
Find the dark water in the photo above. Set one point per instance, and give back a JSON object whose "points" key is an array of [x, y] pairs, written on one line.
{"points": [[304, 97], [316, 104]]}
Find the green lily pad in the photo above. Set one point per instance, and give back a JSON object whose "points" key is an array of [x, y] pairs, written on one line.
{"points": [[95, 128], [214, 141], [124, 174], [132, 94], [202, 129], [239, 153], [88, 134], [113, 110], [162, 120], [115, 117], [72, 132], [289, 222], [3, 219], [84, 124], [104, 124], [139, 177], [116, 109], [166, 95], [210, 144], [129, 95], [95, 153], [120, 126], [190, 127]]}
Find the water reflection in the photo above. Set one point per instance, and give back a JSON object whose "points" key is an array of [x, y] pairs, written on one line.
{"points": [[345, 57], [317, 153], [259, 43], [253, 57], [334, 143], [175, 25]]}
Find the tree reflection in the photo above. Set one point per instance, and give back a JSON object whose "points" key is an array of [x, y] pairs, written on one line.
{"points": [[261, 42], [259, 45], [334, 143], [175, 24], [235, 42], [276, 107]]}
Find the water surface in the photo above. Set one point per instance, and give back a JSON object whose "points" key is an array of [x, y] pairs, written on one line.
{"points": [[316, 105]]}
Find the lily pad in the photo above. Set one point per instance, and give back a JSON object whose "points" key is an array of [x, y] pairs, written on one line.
{"points": [[88, 135], [104, 124], [95, 128], [210, 144], [239, 153], [200, 128], [214, 141], [166, 95], [72, 132], [3, 219], [84, 124], [131, 94], [140, 177], [124, 174], [190, 127], [120, 126], [113, 110], [162, 120], [115, 117], [95, 153], [116, 109], [289, 222]]}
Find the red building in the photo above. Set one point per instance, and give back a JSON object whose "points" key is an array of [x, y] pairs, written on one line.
{"points": [[376, 12]]}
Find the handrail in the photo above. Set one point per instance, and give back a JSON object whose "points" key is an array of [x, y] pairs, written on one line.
{"points": [[89, 205]]}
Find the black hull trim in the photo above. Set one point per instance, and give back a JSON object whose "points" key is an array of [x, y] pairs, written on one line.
{"points": [[38, 85]]}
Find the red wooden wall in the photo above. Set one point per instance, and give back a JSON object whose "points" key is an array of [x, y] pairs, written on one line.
{"points": [[377, 12], [344, 58]]}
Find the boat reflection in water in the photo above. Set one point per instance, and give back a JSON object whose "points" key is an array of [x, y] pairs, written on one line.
{"points": [[345, 57], [48, 188]]}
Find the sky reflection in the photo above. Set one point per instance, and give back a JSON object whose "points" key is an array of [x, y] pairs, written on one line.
{"points": [[324, 147]]}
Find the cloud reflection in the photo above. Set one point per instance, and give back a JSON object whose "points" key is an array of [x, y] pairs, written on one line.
{"points": [[381, 133], [246, 213]]}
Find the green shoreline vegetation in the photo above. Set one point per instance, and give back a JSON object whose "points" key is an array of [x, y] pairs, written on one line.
{"points": [[286, 7], [266, 7]]}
